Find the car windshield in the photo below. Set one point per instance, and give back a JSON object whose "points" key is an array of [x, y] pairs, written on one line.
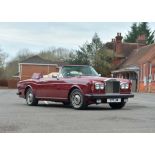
{"points": [[71, 71]]}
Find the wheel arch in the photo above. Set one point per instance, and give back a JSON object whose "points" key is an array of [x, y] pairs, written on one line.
{"points": [[27, 87], [74, 87]]}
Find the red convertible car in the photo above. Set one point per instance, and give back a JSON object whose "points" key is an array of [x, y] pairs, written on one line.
{"points": [[78, 85]]}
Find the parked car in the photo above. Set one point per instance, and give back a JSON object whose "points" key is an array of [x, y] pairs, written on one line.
{"points": [[78, 85]]}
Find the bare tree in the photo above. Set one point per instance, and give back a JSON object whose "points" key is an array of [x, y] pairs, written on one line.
{"points": [[23, 54], [55, 54], [12, 65], [3, 57]]}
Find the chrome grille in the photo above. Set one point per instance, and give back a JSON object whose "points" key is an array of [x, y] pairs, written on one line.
{"points": [[112, 87]]}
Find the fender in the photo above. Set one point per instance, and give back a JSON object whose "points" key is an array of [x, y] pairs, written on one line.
{"points": [[29, 86], [76, 86]]}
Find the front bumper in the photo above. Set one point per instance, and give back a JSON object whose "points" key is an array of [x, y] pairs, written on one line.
{"points": [[105, 96]]}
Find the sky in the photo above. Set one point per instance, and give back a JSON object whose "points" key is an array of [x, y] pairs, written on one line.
{"points": [[36, 36]]}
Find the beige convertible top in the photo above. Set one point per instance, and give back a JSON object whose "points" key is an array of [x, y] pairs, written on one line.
{"points": [[51, 75]]}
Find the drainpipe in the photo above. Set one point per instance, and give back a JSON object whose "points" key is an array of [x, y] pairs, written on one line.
{"points": [[138, 80], [48, 69], [150, 76]]}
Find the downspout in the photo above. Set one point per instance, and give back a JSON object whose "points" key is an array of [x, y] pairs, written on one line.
{"points": [[150, 76]]}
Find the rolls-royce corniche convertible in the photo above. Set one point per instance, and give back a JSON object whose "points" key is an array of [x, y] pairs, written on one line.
{"points": [[76, 85]]}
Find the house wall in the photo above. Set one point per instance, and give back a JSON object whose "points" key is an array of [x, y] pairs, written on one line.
{"points": [[152, 84], [141, 87], [150, 88], [27, 70], [147, 78]]}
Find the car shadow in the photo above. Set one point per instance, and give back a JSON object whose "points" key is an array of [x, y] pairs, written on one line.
{"points": [[97, 108], [89, 108], [53, 105], [92, 107]]}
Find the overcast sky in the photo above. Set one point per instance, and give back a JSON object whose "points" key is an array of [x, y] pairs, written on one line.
{"points": [[37, 36]]}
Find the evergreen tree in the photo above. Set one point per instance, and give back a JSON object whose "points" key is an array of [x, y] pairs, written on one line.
{"points": [[132, 35], [103, 61], [139, 29], [86, 53], [94, 54]]}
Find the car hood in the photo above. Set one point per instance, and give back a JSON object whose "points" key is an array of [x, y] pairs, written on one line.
{"points": [[99, 79]]}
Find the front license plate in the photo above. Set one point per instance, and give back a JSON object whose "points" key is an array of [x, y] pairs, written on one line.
{"points": [[109, 100]]}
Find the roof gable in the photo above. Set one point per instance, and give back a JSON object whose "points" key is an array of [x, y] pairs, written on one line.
{"points": [[126, 48], [140, 56], [36, 59]]}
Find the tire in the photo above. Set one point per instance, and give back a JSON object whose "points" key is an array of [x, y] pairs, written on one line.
{"points": [[30, 98], [77, 99], [117, 105]]}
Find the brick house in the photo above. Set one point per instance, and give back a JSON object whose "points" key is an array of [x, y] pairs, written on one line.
{"points": [[35, 64], [135, 61]]}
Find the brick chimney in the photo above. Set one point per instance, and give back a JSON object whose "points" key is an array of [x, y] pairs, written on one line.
{"points": [[113, 40], [141, 40], [118, 43]]}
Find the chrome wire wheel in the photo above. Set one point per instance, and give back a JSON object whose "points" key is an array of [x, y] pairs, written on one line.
{"points": [[76, 99], [30, 98]]}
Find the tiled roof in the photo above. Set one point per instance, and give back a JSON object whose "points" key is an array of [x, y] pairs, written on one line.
{"points": [[127, 48], [38, 60], [140, 56]]}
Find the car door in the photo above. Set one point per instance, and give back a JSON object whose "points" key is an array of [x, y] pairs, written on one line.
{"points": [[45, 88], [54, 88], [62, 88]]}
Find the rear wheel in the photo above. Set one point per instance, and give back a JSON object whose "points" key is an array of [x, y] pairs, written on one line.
{"points": [[30, 98], [77, 99], [117, 105]]}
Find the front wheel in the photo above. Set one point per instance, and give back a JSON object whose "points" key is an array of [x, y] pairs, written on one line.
{"points": [[117, 105], [77, 99], [30, 98]]}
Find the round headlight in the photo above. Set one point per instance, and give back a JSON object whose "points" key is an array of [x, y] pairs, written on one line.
{"points": [[124, 86], [97, 86], [101, 86]]}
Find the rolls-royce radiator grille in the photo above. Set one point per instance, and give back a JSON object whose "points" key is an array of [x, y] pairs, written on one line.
{"points": [[112, 87]]}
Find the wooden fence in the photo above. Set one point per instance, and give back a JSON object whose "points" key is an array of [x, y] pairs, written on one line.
{"points": [[11, 83], [3, 83]]}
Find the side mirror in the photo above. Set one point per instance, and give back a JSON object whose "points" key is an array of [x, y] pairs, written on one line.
{"points": [[99, 75]]}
